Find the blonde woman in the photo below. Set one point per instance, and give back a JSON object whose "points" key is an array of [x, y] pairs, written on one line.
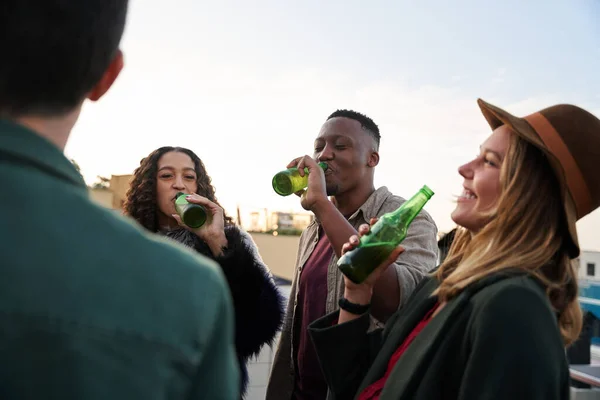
{"points": [[493, 320]]}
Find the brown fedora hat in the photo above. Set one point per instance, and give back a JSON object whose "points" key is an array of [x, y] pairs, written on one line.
{"points": [[570, 138]]}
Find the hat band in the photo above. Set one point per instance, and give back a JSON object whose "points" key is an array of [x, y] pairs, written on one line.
{"points": [[554, 143]]}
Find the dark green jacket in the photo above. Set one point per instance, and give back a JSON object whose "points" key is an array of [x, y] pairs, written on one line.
{"points": [[91, 307], [499, 339]]}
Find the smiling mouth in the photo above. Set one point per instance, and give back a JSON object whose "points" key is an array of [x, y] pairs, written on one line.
{"points": [[467, 195]]}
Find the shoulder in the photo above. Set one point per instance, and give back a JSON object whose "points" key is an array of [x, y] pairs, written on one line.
{"points": [[158, 288], [503, 289], [515, 300], [157, 255], [514, 316]]}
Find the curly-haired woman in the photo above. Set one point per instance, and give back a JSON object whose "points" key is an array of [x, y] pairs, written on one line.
{"points": [[150, 200]]}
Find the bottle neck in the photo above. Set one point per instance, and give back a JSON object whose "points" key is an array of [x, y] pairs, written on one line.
{"points": [[410, 209]]}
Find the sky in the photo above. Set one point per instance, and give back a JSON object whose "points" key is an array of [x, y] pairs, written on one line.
{"points": [[247, 86]]}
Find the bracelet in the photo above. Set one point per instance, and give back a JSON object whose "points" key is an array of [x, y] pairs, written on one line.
{"points": [[353, 308]]}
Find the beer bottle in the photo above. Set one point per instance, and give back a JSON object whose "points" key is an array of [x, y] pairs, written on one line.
{"points": [[289, 181], [385, 235], [193, 215]]}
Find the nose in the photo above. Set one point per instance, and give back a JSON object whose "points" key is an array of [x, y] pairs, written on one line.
{"points": [[178, 183], [326, 154], [466, 170]]}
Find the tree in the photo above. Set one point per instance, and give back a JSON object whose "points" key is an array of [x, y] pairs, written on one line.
{"points": [[101, 183], [77, 167]]}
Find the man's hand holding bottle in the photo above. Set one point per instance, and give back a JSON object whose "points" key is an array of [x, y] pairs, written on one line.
{"points": [[316, 193]]}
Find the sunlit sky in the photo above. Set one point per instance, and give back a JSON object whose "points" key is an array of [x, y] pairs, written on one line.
{"points": [[247, 86]]}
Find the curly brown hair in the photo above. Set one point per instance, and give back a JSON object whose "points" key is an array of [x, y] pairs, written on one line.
{"points": [[140, 202]]}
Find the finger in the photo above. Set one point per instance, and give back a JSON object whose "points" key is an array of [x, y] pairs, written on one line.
{"points": [[373, 220], [294, 162], [394, 255], [197, 199], [178, 219], [353, 241], [346, 247], [386, 264], [299, 193], [311, 163], [301, 165], [363, 229]]}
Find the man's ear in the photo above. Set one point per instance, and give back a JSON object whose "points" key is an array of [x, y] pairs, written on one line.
{"points": [[373, 159], [109, 77]]}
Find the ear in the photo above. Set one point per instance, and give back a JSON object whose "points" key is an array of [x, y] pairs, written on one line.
{"points": [[373, 159], [109, 77]]}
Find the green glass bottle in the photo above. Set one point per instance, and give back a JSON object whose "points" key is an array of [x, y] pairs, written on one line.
{"points": [[385, 235], [289, 181], [193, 215]]}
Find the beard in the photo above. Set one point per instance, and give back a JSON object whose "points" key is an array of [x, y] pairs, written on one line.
{"points": [[332, 189]]}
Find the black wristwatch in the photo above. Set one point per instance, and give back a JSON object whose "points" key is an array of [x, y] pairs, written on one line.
{"points": [[352, 308]]}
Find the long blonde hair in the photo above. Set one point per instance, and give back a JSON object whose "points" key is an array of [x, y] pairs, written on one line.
{"points": [[526, 231]]}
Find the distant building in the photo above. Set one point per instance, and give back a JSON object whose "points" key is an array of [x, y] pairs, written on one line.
{"points": [[263, 220], [288, 221], [114, 195], [588, 264]]}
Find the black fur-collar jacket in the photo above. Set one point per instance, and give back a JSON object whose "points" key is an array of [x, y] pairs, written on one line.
{"points": [[258, 303]]}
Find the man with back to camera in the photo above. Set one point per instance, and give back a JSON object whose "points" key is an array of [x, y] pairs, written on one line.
{"points": [[88, 309], [348, 143]]}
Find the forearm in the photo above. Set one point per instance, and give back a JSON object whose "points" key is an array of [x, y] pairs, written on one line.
{"points": [[386, 295], [384, 298], [361, 297], [336, 226]]}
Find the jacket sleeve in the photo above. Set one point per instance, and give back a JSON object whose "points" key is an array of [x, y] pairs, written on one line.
{"points": [[345, 352], [419, 256], [257, 301], [516, 351]]}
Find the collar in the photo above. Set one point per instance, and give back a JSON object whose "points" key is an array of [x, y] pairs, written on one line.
{"points": [[370, 208], [23, 146]]}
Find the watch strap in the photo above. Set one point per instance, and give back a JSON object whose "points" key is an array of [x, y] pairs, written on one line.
{"points": [[353, 308]]}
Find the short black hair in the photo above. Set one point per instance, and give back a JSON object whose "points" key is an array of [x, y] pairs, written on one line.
{"points": [[53, 52], [367, 123]]}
